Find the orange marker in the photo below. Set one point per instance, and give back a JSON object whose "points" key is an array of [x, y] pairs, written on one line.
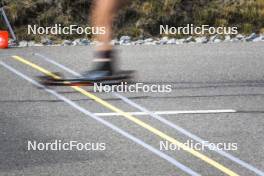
{"points": [[3, 39]]}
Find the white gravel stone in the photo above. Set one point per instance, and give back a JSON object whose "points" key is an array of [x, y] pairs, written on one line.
{"points": [[66, 43], [148, 40], [150, 43], [23, 43], [235, 40], [85, 42], [262, 35], [156, 42], [180, 41], [46, 41], [240, 37], [201, 40], [251, 37], [76, 42], [188, 40], [31, 43], [258, 39], [217, 40], [227, 38], [212, 38], [139, 42], [38, 44], [164, 40], [172, 41], [125, 40]]}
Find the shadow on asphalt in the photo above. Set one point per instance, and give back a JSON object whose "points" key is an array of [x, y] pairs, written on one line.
{"points": [[15, 156]]}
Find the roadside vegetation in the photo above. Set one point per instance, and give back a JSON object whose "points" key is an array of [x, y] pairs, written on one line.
{"points": [[139, 17]]}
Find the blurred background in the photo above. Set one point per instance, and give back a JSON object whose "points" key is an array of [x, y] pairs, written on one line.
{"points": [[138, 18]]}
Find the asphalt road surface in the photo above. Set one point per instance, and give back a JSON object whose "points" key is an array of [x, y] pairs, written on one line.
{"points": [[217, 96]]}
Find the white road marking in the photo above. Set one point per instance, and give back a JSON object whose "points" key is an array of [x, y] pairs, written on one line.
{"points": [[193, 136], [167, 122], [104, 122], [171, 112]]}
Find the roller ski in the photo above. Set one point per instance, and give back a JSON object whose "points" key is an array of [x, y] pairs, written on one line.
{"points": [[115, 79], [104, 72]]}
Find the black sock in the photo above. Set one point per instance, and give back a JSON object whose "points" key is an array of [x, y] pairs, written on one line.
{"points": [[104, 60]]}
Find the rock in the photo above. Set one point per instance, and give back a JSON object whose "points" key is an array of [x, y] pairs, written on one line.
{"points": [[259, 39], [227, 38], [212, 38], [150, 43], [217, 40], [240, 37], [148, 40], [31, 43], [125, 40], [201, 40], [46, 41], [251, 37], [235, 40], [66, 43], [180, 41], [76, 42], [188, 40], [163, 41], [23, 43], [262, 35], [125, 43], [85, 42], [38, 44], [156, 42], [139, 42], [172, 41]]}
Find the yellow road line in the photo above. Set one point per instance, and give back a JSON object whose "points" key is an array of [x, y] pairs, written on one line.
{"points": [[135, 120]]}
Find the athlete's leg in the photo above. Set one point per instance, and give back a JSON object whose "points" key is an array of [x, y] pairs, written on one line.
{"points": [[103, 15]]}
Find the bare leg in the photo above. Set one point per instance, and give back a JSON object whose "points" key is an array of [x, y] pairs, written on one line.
{"points": [[103, 15]]}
